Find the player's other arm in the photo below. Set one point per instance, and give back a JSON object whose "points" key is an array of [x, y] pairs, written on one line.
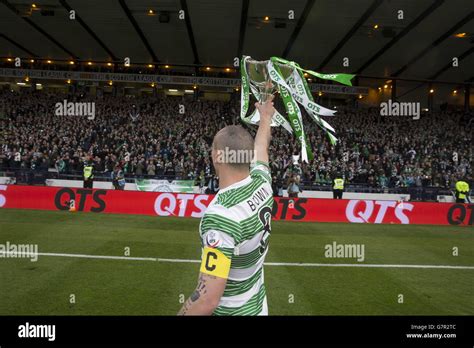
{"points": [[262, 139], [206, 297], [214, 271]]}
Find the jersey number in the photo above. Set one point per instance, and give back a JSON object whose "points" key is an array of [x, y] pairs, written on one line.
{"points": [[265, 216]]}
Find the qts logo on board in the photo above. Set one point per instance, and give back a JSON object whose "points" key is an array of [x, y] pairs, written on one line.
{"points": [[181, 204], [289, 209], [460, 214], [85, 199], [378, 212]]}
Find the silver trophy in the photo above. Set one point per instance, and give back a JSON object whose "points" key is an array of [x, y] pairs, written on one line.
{"points": [[260, 78]]}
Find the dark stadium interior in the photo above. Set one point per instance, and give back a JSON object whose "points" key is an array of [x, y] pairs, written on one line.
{"points": [[216, 31]]}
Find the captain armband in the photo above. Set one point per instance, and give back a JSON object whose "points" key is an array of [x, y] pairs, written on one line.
{"points": [[215, 263]]}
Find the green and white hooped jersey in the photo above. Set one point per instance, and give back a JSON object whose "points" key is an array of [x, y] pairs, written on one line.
{"points": [[234, 231]]}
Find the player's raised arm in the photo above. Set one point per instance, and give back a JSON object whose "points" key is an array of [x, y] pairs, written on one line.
{"points": [[262, 139]]}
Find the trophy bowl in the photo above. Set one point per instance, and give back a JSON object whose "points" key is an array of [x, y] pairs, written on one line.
{"points": [[260, 78]]}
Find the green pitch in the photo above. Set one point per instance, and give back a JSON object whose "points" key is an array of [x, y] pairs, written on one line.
{"points": [[147, 287]]}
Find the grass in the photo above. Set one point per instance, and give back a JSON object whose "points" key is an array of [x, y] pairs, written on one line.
{"points": [[128, 287]]}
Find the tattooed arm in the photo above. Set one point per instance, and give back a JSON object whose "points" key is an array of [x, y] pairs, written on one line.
{"points": [[206, 297], [214, 271]]}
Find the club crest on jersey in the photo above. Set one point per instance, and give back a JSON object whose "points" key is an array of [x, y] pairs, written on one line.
{"points": [[213, 239]]}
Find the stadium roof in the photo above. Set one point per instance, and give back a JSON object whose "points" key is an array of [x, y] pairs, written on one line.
{"points": [[213, 32]]}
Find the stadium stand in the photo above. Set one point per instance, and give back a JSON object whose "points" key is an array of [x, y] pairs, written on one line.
{"points": [[149, 138]]}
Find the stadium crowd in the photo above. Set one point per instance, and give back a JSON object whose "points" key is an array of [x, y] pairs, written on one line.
{"points": [[170, 138]]}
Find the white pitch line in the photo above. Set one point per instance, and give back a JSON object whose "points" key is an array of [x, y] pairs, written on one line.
{"points": [[290, 264], [84, 256], [369, 265]]}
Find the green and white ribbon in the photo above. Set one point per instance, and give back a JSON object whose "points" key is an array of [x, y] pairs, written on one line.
{"points": [[302, 88], [294, 90], [345, 79], [292, 109]]}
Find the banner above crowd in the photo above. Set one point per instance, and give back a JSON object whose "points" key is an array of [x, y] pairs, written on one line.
{"points": [[159, 79], [186, 186]]}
